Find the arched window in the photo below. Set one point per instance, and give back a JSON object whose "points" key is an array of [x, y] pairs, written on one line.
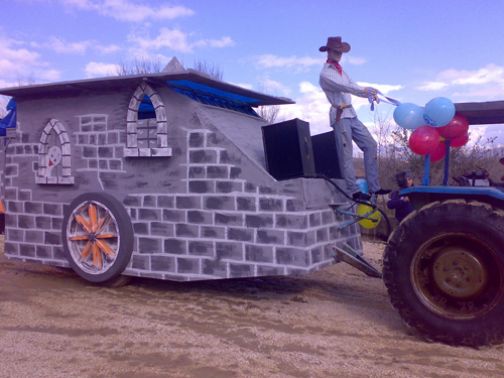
{"points": [[54, 163], [147, 129]]}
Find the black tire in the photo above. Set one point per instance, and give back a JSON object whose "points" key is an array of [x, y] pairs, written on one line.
{"points": [[444, 272], [98, 238]]}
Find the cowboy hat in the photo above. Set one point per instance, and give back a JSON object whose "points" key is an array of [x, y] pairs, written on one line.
{"points": [[335, 43]]}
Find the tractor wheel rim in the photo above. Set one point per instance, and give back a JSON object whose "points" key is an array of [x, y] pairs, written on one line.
{"points": [[456, 281], [93, 237], [459, 273]]}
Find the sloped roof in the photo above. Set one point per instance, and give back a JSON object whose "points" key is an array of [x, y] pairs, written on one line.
{"points": [[482, 113], [189, 79]]}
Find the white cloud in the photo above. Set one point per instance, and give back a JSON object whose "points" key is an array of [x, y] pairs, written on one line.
{"points": [[299, 62], [97, 69], [176, 40], [12, 58], [492, 92], [244, 85], [125, 10], [489, 74], [62, 46], [21, 65], [485, 81], [312, 106], [172, 39], [353, 60], [107, 49], [274, 87], [477, 132], [49, 75], [383, 88], [217, 43], [432, 86], [291, 62]]}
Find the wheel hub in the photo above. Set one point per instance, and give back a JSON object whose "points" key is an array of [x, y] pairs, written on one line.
{"points": [[459, 273], [93, 237]]}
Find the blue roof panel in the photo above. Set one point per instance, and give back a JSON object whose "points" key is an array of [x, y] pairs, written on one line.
{"points": [[204, 89]]}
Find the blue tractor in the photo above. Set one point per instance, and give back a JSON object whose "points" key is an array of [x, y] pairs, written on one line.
{"points": [[444, 263]]}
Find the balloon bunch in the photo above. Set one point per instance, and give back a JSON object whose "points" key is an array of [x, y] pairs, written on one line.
{"points": [[432, 126]]}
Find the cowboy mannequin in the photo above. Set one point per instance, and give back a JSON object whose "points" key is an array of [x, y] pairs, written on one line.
{"points": [[338, 88]]}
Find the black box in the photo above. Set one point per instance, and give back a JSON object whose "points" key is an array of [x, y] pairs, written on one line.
{"points": [[325, 155], [288, 149]]}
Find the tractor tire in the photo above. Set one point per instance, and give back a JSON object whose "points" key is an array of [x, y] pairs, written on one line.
{"points": [[444, 272], [98, 238]]}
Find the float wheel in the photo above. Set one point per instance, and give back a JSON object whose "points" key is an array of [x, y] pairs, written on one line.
{"points": [[98, 237]]}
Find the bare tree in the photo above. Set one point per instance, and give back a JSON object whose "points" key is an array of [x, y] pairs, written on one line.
{"points": [[395, 155], [146, 65], [139, 66], [268, 113], [208, 69]]}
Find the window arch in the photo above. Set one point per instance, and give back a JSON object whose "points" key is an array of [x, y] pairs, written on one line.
{"points": [[54, 151], [147, 128]]}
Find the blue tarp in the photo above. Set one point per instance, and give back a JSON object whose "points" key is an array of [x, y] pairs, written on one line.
{"points": [[9, 121], [146, 109], [209, 95], [208, 90]]}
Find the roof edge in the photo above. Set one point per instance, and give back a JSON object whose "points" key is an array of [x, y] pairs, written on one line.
{"points": [[73, 85]]}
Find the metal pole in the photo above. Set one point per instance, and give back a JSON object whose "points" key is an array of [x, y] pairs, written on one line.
{"points": [[446, 162], [426, 176]]}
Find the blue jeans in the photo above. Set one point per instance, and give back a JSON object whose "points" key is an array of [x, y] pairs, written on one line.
{"points": [[347, 130]]}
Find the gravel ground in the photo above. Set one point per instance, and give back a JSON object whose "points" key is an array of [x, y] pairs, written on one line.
{"points": [[335, 322]]}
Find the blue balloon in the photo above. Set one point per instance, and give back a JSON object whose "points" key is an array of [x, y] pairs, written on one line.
{"points": [[362, 185], [439, 111], [409, 116]]}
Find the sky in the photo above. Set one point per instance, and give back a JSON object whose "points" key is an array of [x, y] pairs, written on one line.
{"points": [[410, 50]]}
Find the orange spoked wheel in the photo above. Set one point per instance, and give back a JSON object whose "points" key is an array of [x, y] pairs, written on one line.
{"points": [[98, 237]]}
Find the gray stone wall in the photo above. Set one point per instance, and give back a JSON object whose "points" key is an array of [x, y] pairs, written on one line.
{"points": [[3, 143], [225, 226], [208, 211]]}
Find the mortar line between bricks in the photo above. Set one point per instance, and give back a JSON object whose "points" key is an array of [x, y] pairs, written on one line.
{"points": [[269, 265], [192, 149], [37, 215], [190, 257], [240, 181], [208, 164]]}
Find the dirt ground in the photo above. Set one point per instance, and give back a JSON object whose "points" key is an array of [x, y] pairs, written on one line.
{"points": [[336, 322]]}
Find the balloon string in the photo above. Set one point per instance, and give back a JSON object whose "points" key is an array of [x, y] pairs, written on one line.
{"points": [[381, 97]]}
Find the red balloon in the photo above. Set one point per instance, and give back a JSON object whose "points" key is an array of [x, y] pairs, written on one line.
{"points": [[456, 127], [439, 152], [460, 140], [424, 140]]}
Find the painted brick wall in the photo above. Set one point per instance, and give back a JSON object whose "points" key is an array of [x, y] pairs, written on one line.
{"points": [[206, 212], [225, 226], [32, 227]]}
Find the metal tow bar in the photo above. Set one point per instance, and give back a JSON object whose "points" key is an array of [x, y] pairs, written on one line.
{"points": [[346, 253]]}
